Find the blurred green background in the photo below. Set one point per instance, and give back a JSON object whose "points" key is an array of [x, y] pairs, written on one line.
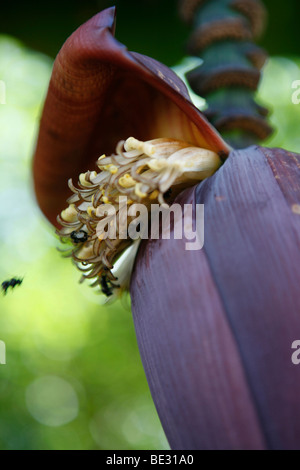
{"points": [[73, 378]]}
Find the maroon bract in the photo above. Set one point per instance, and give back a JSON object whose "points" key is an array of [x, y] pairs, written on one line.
{"points": [[215, 327], [99, 94]]}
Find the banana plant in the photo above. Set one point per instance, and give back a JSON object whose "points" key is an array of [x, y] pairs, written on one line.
{"points": [[215, 326]]}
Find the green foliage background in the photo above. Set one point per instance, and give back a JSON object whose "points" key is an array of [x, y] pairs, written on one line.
{"points": [[74, 378]]}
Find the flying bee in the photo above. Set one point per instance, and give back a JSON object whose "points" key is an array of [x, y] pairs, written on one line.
{"points": [[11, 283], [79, 236]]}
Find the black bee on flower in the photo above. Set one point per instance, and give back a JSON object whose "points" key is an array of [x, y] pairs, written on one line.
{"points": [[79, 236], [106, 286]]}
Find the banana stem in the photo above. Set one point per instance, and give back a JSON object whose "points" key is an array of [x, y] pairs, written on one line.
{"points": [[223, 36]]}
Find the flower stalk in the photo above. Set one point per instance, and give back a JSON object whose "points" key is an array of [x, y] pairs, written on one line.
{"points": [[224, 35]]}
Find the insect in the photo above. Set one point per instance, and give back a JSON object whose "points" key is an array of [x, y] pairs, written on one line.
{"points": [[79, 236], [106, 286], [11, 283]]}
